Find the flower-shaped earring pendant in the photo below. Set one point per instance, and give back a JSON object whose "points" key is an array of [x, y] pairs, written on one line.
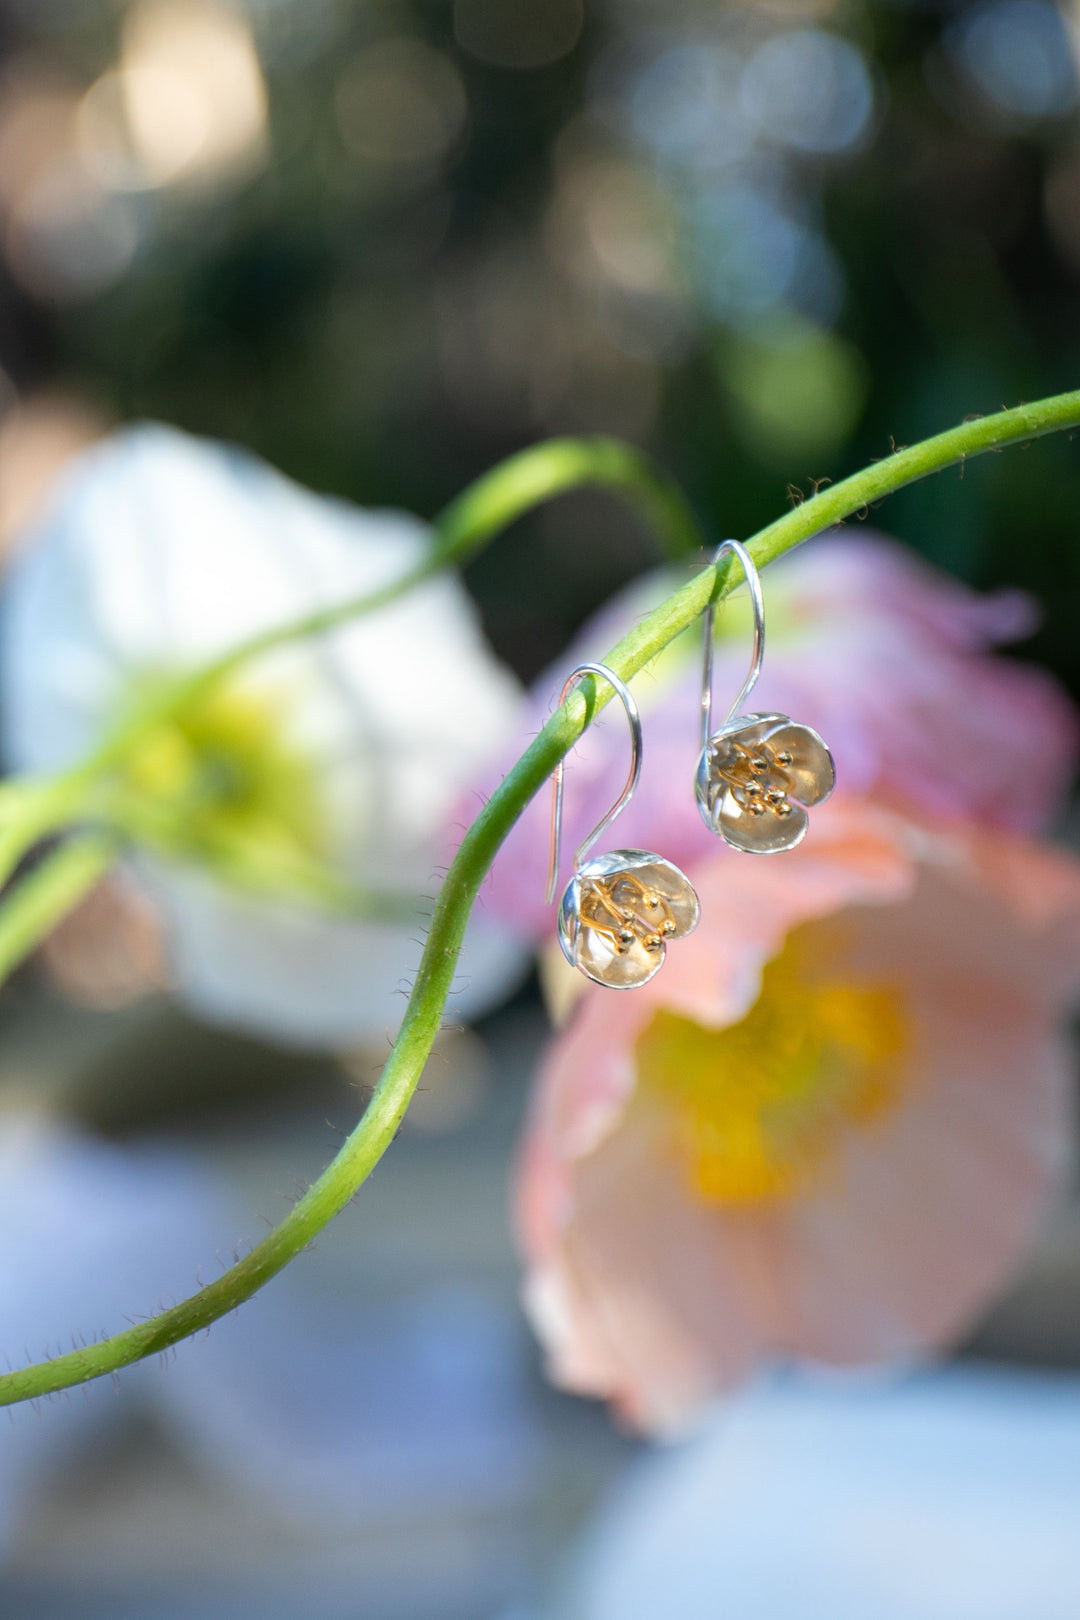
{"points": [[620, 911], [760, 773], [756, 779]]}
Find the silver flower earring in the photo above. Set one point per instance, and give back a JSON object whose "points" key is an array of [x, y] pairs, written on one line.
{"points": [[619, 911], [760, 773]]}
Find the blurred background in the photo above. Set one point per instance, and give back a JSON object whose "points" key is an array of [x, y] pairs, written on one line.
{"points": [[384, 243]]}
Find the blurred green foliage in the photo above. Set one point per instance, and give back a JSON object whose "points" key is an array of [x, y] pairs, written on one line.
{"points": [[468, 226]]}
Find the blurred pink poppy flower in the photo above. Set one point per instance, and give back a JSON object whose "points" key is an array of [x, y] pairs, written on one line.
{"points": [[884, 656], [826, 1130]]}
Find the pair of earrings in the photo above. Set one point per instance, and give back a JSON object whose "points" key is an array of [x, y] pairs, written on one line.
{"points": [[756, 778]]}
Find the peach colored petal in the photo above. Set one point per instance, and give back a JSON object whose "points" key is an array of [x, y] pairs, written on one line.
{"points": [[861, 855], [610, 1340], [647, 1294], [858, 855]]}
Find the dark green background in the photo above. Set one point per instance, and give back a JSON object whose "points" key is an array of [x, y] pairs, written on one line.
{"points": [[298, 313]]}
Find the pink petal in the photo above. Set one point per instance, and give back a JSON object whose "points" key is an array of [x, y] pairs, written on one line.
{"points": [[884, 656], [648, 1294]]}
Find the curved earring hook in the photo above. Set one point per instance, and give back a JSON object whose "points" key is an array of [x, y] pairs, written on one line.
{"points": [[753, 581], [623, 692]]}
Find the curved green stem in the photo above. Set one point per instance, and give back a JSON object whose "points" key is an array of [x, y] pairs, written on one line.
{"points": [[494, 501], [45, 895], [373, 1135], [31, 809]]}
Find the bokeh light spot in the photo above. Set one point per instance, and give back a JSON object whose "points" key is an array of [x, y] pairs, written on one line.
{"points": [[685, 106], [67, 238], [610, 222], [36, 121], [400, 104], [518, 33], [1017, 53], [800, 390], [747, 250], [192, 89], [810, 90]]}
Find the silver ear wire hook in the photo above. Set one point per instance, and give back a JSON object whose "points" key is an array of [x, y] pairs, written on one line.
{"points": [[753, 581], [619, 911], [759, 774], [624, 694]]}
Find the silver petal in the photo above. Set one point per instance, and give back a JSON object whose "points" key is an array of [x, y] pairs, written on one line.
{"points": [[627, 876], [767, 757], [811, 773], [760, 835]]}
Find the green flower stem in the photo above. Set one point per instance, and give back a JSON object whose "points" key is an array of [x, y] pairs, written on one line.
{"points": [[495, 500], [30, 808], [37, 807], [498, 499], [375, 1131], [38, 902]]}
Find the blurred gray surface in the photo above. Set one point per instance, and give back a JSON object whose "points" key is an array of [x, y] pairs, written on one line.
{"points": [[220, 1492], [392, 1449]]}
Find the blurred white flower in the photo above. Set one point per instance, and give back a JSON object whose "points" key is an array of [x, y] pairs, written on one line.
{"points": [[342, 755]]}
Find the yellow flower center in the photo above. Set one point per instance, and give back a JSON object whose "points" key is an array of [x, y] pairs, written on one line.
{"points": [[224, 775], [757, 1111]]}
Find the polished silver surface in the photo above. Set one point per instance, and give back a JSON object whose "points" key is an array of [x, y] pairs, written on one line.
{"points": [[756, 779], [634, 721], [619, 910], [619, 913], [759, 774], [753, 582]]}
